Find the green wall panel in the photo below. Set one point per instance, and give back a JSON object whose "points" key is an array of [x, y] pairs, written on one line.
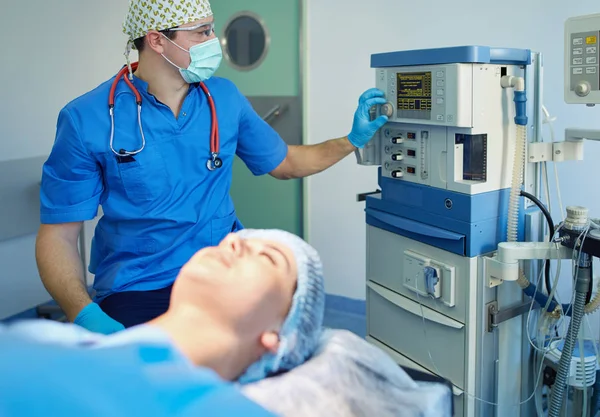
{"points": [[279, 73]]}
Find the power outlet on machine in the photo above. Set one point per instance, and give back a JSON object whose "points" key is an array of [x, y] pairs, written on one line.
{"points": [[428, 277]]}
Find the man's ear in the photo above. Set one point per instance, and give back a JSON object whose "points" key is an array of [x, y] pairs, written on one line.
{"points": [[270, 341], [155, 41]]}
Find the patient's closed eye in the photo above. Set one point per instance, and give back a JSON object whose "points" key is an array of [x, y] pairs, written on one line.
{"points": [[269, 257]]}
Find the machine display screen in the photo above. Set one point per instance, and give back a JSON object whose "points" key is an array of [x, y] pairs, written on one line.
{"points": [[414, 91]]}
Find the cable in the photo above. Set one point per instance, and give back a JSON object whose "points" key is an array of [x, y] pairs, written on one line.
{"points": [[551, 230], [436, 370], [588, 297], [549, 120]]}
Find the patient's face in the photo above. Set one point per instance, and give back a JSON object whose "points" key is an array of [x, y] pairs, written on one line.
{"points": [[247, 284]]}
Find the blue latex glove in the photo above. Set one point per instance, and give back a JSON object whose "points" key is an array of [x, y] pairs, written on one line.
{"points": [[95, 320], [363, 127]]}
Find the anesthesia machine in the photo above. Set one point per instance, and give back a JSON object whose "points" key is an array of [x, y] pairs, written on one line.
{"points": [[458, 216]]}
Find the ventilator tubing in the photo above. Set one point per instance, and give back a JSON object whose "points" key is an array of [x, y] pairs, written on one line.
{"points": [[518, 169], [564, 365], [517, 180], [513, 208], [515, 193], [520, 100]]}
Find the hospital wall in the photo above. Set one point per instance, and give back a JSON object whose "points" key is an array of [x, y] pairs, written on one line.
{"points": [[53, 54], [342, 34]]}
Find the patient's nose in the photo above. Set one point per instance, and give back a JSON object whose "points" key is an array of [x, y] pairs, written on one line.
{"points": [[234, 242]]}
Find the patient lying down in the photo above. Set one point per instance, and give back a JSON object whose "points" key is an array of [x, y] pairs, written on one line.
{"points": [[266, 309], [251, 310]]}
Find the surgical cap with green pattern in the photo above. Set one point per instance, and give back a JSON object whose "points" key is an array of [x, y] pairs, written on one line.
{"points": [[146, 15]]}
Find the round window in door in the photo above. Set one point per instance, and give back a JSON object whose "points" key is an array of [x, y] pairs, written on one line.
{"points": [[245, 41]]}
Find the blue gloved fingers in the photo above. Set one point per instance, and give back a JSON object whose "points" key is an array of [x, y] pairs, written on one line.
{"points": [[370, 93], [379, 122], [363, 128], [373, 101], [92, 318]]}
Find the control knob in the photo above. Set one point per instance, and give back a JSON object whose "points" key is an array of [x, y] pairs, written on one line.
{"points": [[582, 88], [387, 109]]}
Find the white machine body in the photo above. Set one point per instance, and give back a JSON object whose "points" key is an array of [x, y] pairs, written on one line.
{"points": [[450, 126]]}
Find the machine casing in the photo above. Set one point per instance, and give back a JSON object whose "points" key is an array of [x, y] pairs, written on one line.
{"points": [[445, 165]]}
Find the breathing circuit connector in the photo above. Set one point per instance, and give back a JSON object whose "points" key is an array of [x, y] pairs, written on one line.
{"points": [[520, 97]]}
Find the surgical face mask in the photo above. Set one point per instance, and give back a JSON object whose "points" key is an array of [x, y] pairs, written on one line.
{"points": [[205, 59]]}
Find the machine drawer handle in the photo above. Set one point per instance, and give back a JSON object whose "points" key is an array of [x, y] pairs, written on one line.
{"points": [[413, 226], [414, 308]]}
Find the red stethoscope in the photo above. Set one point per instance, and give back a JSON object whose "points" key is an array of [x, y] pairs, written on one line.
{"points": [[213, 162]]}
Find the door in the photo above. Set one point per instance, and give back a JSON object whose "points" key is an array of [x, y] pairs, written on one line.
{"points": [[261, 48]]}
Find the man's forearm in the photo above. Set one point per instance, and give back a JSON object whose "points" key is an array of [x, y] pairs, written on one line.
{"points": [[61, 271], [302, 161], [305, 160]]}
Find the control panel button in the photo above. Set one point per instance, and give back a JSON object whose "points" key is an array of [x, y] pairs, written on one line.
{"points": [[577, 61], [590, 70], [439, 100], [440, 117], [577, 71], [590, 50], [440, 74], [578, 41], [440, 92], [440, 83], [578, 51], [590, 60], [591, 40]]}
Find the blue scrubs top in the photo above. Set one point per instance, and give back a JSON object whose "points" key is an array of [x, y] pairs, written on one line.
{"points": [[52, 369], [163, 204]]}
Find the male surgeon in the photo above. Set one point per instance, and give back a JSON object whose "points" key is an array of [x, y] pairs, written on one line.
{"points": [[163, 195]]}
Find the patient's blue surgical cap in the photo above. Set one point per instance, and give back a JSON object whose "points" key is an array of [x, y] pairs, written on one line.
{"points": [[301, 330]]}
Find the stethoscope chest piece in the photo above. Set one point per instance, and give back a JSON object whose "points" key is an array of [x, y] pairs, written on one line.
{"points": [[214, 162]]}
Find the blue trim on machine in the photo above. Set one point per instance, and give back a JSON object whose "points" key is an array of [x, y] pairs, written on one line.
{"points": [[470, 54], [433, 236], [468, 225], [411, 197]]}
